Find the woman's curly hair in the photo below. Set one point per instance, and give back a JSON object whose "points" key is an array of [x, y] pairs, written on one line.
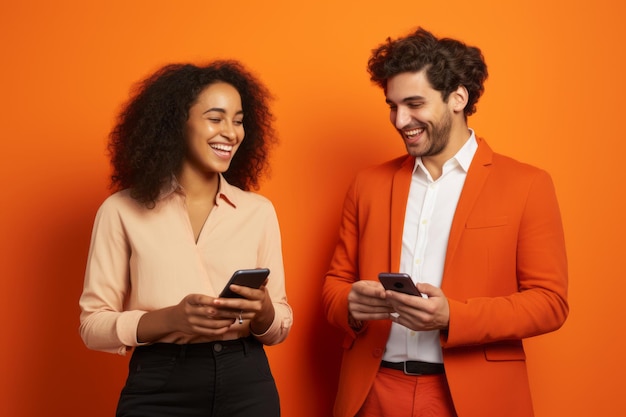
{"points": [[147, 145], [448, 63]]}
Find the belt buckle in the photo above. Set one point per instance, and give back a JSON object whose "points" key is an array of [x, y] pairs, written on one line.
{"points": [[407, 372]]}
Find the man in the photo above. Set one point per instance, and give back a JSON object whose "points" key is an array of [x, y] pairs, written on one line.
{"points": [[479, 233]]}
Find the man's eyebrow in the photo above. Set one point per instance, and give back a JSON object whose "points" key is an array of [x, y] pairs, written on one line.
{"points": [[406, 99]]}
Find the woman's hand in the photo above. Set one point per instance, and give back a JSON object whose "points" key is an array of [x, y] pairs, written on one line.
{"points": [[202, 315], [195, 315], [256, 306]]}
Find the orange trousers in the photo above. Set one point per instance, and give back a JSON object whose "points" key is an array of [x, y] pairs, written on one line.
{"points": [[395, 394]]}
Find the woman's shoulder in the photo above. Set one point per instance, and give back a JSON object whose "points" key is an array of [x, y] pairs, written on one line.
{"points": [[243, 197], [250, 201], [120, 201]]}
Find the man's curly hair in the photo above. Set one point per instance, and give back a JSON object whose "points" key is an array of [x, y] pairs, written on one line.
{"points": [[147, 145], [448, 63]]}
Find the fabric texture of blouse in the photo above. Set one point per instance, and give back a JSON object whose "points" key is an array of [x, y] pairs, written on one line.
{"points": [[143, 259]]}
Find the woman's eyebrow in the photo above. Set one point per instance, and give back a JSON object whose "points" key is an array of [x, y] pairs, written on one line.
{"points": [[217, 109], [220, 110]]}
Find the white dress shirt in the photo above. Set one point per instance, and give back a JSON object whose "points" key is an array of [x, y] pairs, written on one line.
{"points": [[429, 213]]}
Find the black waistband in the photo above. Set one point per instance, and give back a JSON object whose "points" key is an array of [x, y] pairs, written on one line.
{"points": [[415, 367], [218, 346]]}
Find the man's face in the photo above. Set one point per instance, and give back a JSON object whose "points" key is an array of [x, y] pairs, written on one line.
{"points": [[419, 113]]}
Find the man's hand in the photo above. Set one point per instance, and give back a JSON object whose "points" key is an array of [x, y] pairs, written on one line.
{"points": [[417, 313], [366, 301]]}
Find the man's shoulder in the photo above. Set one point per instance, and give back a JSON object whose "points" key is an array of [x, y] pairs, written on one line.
{"points": [[508, 163], [388, 167], [380, 178], [506, 171], [486, 156]]}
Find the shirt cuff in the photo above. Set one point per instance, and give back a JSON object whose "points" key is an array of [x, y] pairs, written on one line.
{"points": [[279, 329], [126, 328]]}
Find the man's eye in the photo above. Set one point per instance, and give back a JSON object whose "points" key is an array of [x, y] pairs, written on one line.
{"points": [[415, 105]]}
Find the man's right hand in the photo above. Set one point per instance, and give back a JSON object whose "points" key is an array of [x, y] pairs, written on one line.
{"points": [[366, 301]]}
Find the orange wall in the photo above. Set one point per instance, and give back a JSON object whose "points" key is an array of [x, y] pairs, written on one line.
{"points": [[552, 99]]}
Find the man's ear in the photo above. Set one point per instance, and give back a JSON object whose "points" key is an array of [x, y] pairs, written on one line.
{"points": [[458, 99]]}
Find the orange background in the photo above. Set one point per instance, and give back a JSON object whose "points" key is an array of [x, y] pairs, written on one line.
{"points": [[552, 99]]}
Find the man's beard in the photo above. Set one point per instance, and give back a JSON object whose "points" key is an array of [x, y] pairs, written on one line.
{"points": [[438, 135]]}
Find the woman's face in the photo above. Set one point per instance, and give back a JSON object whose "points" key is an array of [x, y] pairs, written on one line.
{"points": [[214, 129]]}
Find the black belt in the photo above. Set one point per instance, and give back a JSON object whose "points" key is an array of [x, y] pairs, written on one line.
{"points": [[415, 367]]}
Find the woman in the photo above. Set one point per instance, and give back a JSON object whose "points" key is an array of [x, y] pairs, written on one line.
{"points": [[166, 242]]}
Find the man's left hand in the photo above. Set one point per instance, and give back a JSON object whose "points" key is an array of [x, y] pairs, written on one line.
{"points": [[418, 313]]}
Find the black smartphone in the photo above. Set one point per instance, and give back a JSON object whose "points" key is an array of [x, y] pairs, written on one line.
{"points": [[252, 278], [398, 282]]}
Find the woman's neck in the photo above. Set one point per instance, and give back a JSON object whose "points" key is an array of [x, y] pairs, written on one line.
{"points": [[199, 186]]}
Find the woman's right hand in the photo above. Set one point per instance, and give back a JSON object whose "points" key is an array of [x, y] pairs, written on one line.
{"points": [[194, 315]]}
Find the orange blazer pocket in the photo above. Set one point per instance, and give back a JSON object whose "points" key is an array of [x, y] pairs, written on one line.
{"points": [[505, 352], [483, 222]]}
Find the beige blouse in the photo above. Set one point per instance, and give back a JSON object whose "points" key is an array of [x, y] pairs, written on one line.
{"points": [[144, 259]]}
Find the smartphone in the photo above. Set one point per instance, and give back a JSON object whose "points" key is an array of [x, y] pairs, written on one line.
{"points": [[398, 282], [252, 278]]}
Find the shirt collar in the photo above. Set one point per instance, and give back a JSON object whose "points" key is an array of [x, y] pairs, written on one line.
{"points": [[225, 191], [463, 157]]}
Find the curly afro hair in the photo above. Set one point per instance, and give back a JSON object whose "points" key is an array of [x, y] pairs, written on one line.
{"points": [[147, 145]]}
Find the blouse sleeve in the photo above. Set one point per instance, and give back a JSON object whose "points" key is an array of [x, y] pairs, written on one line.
{"points": [[104, 325], [270, 254]]}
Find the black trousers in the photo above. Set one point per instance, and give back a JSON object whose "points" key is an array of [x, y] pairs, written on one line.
{"points": [[218, 379]]}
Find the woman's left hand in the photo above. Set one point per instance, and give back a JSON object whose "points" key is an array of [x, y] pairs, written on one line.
{"points": [[255, 306]]}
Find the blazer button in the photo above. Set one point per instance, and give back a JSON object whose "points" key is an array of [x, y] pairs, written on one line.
{"points": [[377, 353]]}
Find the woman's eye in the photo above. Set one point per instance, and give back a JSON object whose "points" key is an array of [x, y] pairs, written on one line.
{"points": [[237, 122]]}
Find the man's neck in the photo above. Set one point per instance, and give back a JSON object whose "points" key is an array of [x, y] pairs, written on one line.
{"points": [[458, 138]]}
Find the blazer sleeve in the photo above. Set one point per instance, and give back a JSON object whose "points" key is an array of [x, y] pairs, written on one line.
{"points": [[522, 264], [343, 268]]}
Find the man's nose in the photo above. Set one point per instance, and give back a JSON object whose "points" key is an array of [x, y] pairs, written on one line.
{"points": [[402, 117]]}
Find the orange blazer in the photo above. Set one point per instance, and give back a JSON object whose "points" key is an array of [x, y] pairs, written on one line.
{"points": [[505, 277]]}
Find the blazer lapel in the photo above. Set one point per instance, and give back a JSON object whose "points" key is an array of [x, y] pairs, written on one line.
{"points": [[399, 195], [476, 177]]}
